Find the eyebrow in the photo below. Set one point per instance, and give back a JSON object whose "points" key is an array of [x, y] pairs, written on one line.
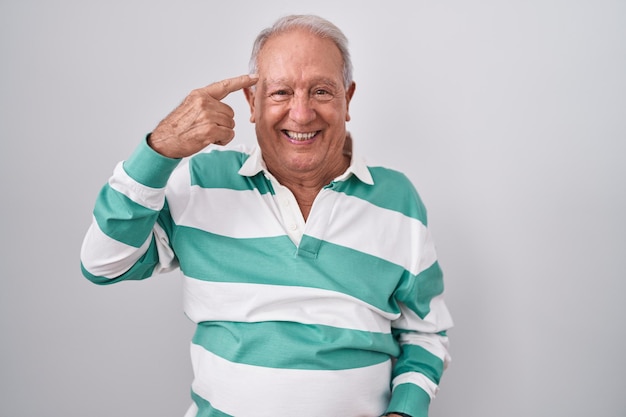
{"points": [[319, 80]]}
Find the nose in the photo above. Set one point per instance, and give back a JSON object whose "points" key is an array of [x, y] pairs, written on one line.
{"points": [[301, 109]]}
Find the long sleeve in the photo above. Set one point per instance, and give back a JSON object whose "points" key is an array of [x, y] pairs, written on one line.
{"points": [[421, 328], [127, 238]]}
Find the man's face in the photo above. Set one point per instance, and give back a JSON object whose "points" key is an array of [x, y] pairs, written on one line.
{"points": [[300, 105]]}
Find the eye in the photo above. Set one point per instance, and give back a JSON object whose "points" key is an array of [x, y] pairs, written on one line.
{"points": [[322, 94], [280, 95]]}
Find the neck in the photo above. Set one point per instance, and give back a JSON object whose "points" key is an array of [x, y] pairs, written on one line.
{"points": [[306, 185]]}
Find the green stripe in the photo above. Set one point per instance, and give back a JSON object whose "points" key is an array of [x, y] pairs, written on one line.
{"points": [[148, 167], [205, 409], [409, 399], [391, 190], [417, 291], [122, 219], [218, 169], [290, 345], [273, 261], [417, 359]]}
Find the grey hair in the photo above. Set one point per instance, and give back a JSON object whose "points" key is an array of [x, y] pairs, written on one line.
{"points": [[316, 25]]}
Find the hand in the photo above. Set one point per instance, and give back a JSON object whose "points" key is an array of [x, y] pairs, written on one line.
{"points": [[201, 119]]}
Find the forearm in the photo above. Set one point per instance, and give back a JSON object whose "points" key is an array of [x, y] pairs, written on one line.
{"points": [[421, 333], [120, 241]]}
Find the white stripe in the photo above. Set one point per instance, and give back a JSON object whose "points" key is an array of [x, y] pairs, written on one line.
{"points": [[383, 233], [242, 302], [433, 343], [106, 257], [418, 379], [167, 257], [232, 213], [437, 319], [152, 198], [253, 391]]}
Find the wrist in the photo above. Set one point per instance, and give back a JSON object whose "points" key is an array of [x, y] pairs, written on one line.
{"points": [[148, 167]]}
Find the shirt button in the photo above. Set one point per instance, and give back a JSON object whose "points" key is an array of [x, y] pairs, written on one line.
{"points": [[293, 227]]}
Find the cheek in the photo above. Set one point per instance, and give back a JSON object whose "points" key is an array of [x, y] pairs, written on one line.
{"points": [[270, 114], [337, 114]]}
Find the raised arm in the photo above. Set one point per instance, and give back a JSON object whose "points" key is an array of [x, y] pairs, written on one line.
{"points": [[128, 237]]}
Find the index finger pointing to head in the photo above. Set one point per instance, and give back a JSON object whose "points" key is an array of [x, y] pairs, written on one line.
{"points": [[221, 89]]}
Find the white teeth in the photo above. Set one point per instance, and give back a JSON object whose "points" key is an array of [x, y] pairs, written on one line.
{"points": [[300, 136]]}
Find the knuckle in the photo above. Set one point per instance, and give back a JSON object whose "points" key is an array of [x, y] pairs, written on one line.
{"points": [[194, 96], [224, 85]]}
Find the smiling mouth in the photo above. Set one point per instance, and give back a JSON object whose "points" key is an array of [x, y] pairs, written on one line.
{"points": [[300, 136]]}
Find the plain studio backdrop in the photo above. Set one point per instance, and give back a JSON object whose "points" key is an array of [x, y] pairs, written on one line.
{"points": [[509, 117]]}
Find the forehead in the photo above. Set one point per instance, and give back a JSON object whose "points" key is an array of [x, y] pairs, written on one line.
{"points": [[300, 52]]}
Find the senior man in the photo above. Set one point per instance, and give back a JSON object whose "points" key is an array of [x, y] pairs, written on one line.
{"points": [[311, 276]]}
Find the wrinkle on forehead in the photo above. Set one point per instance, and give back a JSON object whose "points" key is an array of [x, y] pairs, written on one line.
{"points": [[300, 56], [313, 81]]}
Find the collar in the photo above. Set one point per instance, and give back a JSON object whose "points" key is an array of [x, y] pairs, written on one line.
{"points": [[255, 164]]}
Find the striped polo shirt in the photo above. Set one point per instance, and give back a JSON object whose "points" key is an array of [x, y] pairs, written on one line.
{"points": [[338, 315]]}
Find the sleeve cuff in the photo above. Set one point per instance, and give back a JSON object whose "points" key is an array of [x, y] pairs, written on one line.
{"points": [[410, 399], [149, 167]]}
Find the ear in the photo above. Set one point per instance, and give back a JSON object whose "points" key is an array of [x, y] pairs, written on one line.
{"points": [[349, 94], [249, 92]]}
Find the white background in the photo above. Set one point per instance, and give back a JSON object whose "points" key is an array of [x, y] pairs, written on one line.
{"points": [[509, 116]]}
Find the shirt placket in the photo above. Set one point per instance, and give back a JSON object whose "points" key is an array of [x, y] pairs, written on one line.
{"points": [[291, 216]]}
